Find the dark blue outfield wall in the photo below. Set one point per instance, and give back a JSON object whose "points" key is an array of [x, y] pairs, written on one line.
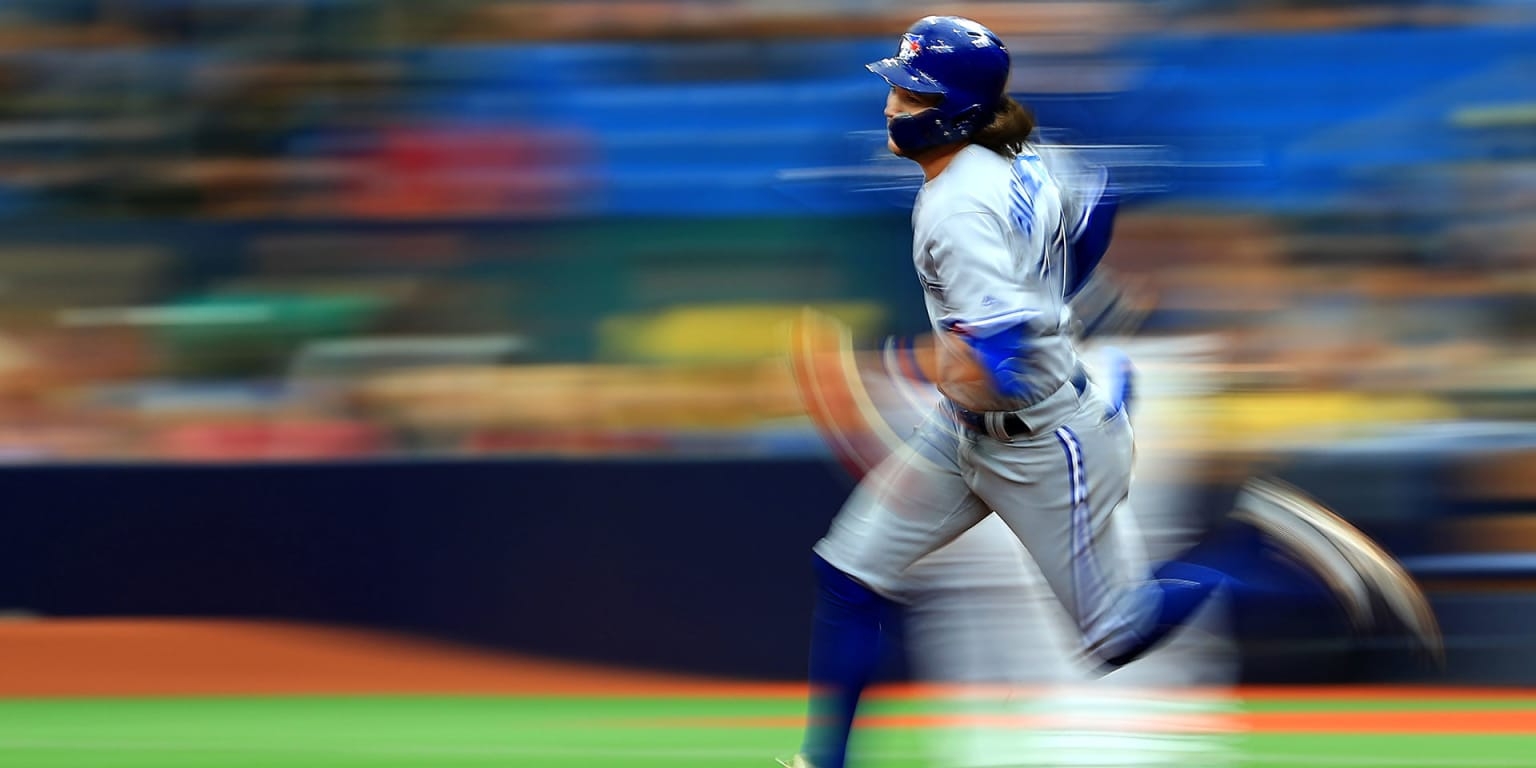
{"points": [[701, 566], [698, 566]]}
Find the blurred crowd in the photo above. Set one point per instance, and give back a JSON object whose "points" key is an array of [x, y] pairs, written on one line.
{"points": [[277, 229]]}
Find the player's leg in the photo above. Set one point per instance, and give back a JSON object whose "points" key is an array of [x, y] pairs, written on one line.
{"points": [[1146, 727], [1062, 493], [1277, 552], [913, 503]]}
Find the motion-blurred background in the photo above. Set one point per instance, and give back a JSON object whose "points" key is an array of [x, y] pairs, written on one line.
{"points": [[465, 317]]}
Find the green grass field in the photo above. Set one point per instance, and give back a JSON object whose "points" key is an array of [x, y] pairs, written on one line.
{"points": [[572, 732]]}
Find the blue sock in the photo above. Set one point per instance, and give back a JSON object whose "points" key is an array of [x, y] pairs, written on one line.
{"points": [[1252, 566], [1234, 556], [1180, 586], [1177, 589], [845, 654]]}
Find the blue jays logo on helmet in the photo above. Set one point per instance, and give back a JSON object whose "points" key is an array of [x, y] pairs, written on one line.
{"points": [[960, 61]]}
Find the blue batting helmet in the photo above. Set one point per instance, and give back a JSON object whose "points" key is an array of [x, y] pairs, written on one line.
{"points": [[957, 59]]}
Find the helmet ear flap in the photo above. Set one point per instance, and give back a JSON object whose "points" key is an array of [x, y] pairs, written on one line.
{"points": [[931, 127], [970, 120], [920, 130]]}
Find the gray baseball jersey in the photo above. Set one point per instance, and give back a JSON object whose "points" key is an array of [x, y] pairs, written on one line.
{"points": [[989, 247]]}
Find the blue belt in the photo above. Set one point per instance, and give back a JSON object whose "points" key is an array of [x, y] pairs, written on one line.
{"points": [[1014, 424]]}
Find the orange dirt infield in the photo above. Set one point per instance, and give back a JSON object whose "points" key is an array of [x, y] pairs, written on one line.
{"points": [[137, 657], [188, 657]]}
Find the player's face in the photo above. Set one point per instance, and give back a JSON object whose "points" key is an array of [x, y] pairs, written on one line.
{"points": [[900, 102]]}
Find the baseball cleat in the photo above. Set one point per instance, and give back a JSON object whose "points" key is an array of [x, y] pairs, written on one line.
{"points": [[798, 761], [1260, 505], [1300, 522]]}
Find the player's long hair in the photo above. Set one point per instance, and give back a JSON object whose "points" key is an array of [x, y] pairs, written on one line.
{"points": [[1010, 128]]}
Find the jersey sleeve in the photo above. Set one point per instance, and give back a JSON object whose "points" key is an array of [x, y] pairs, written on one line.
{"points": [[984, 291], [1083, 185]]}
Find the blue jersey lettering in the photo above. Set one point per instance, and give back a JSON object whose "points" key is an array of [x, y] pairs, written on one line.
{"points": [[1026, 182]]}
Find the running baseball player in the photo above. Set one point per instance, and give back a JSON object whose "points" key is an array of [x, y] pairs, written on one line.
{"points": [[999, 248], [977, 617]]}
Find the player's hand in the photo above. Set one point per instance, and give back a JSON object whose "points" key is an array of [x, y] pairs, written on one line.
{"points": [[1119, 380]]}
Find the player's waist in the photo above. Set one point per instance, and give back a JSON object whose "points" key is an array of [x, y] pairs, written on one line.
{"points": [[1031, 419]]}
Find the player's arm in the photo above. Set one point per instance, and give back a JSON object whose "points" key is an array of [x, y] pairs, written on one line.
{"points": [[987, 302], [1090, 205], [1090, 242]]}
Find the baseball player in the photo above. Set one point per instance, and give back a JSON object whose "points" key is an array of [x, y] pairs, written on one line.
{"points": [[1000, 246], [977, 616]]}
